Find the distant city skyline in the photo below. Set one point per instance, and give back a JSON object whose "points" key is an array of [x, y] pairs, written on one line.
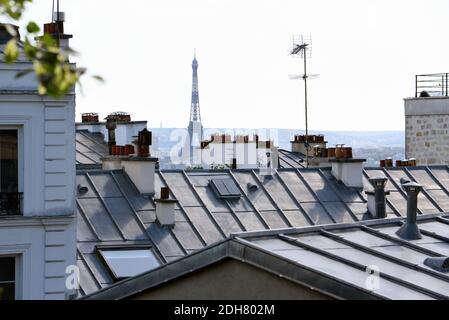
{"points": [[367, 54]]}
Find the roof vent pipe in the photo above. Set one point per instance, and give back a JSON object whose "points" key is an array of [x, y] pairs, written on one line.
{"points": [[377, 198], [82, 189], [144, 141], [111, 125], [410, 229], [234, 164], [165, 193], [440, 264], [252, 187]]}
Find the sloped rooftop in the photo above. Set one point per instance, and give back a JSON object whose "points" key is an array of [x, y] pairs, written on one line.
{"points": [[335, 260], [112, 212], [90, 148], [288, 159]]}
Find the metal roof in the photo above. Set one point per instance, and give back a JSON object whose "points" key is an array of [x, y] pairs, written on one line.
{"points": [[288, 159], [90, 148], [337, 260], [113, 212]]}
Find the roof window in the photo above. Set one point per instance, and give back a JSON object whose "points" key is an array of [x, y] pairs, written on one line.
{"points": [[225, 188], [125, 263]]}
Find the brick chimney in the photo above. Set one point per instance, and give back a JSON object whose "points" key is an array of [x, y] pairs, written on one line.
{"points": [[304, 144], [56, 30]]}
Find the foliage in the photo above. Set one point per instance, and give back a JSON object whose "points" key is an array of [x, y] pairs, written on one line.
{"points": [[13, 8], [51, 65], [219, 167], [192, 168]]}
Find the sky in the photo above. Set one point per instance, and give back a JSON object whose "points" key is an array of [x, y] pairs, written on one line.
{"points": [[366, 54]]}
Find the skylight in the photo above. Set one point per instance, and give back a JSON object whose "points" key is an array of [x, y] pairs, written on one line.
{"points": [[225, 188], [129, 263]]}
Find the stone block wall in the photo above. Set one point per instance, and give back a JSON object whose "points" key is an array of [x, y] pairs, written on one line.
{"points": [[427, 130]]}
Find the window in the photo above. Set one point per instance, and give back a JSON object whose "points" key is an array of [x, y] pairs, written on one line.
{"points": [[125, 263], [10, 197], [225, 188], [7, 278]]}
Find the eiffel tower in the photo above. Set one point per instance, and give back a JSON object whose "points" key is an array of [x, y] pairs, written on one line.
{"points": [[195, 126]]}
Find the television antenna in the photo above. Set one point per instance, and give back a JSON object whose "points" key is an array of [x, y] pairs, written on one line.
{"points": [[302, 48], [57, 15], [53, 10]]}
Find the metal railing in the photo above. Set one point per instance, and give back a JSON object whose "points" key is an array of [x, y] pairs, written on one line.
{"points": [[435, 85], [11, 204]]}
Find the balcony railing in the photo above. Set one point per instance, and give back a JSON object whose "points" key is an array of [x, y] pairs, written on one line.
{"points": [[11, 204], [435, 85]]}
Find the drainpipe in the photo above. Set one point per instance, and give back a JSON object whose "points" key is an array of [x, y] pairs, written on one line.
{"points": [[410, 229]]}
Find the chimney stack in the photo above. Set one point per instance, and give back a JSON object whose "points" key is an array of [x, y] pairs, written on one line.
{"points": [[345, 168], [141, 168], [119, 128], [165, 208], [56, 29], [90, 117], [410, 229], [377, 198], [304, 144]]}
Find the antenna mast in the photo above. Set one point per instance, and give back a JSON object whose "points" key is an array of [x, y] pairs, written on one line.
{"points": [[55, 18], [302, 48]]}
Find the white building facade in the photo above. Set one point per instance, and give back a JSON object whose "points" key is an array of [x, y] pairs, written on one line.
{"points": [[37, 189]]}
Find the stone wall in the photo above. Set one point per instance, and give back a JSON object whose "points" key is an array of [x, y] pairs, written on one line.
{"points": [[427, 130], [427, 139]]}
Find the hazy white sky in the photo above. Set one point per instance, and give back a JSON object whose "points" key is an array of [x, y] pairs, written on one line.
{"points": [[366, 52]]}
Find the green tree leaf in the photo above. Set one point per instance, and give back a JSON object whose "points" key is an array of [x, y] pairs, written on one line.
{"points": [[56, 75], [32, 27], [11, 51]]}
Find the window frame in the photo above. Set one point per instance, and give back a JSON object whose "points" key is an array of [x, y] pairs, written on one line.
{"points": [[24, 125], [20, 152], [18, 272], [22, 253], [15, 274], [20, 159], [142, 247]]}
